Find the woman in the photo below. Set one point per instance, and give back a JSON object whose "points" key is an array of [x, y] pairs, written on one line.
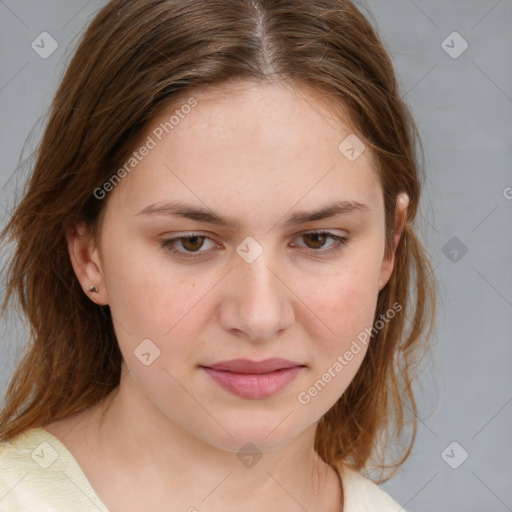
{"points": [[217, 256]]}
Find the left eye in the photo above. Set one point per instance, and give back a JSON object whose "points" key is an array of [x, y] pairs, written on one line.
{"points": [[319, 237], [192, 243]]}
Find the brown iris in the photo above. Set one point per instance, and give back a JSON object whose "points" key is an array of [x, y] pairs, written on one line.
{"points": [[318, 238], [196, 242]]}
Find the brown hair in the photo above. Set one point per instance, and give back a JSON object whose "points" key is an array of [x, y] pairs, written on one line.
{"points": [[137, 58]]}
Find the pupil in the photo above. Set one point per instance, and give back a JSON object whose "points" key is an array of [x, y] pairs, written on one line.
{"points": [[317, 236], [195, 240]]}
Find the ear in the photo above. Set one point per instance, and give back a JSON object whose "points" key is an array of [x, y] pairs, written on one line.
{"points": [[86, 262], [388, 263]]}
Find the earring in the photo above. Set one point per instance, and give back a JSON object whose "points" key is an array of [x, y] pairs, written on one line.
{"points": [[94, 288]]}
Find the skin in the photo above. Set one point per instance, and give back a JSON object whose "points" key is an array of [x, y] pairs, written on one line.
{"points": [[169, 433]]}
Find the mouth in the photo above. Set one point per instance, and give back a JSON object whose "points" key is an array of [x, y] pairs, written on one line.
{"points": [[251, 379], [248, 366]]}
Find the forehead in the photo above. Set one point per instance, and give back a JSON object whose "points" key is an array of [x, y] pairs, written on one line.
{"points": [[255, 146]]}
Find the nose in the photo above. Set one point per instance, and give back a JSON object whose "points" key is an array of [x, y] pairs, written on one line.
{"points": [[257, 303]]}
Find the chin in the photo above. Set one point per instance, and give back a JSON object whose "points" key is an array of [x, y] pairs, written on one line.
{"points": [[265, 435]]}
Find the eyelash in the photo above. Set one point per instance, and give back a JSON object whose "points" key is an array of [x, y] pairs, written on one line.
{"points": [[339, 243]]}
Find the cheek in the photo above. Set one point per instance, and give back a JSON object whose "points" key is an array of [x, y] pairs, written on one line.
{"points": [[345, 300], [344, 305], [345, 308], [158, 305], [152, 300]]}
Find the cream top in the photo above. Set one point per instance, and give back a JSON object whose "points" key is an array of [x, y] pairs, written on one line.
{"points": [[38, 473]]}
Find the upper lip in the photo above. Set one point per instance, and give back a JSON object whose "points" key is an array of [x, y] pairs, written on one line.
{"points": [[248, 366]]}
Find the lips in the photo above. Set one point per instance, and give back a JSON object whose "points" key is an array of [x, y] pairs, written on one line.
{"points": [[248, 366], [251, 379]]}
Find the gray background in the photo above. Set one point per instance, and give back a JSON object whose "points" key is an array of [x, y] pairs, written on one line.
{"points": [[463, 107]]}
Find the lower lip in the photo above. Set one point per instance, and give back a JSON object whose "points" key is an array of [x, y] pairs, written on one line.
{"points": [[254, 385]]}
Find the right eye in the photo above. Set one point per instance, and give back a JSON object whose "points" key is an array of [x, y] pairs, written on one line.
{"points": [[190, 245]]}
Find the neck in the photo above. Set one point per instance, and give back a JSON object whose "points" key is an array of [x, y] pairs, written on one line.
{"points": [[197, 476]]}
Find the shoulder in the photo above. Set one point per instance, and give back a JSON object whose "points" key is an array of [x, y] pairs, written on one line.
{"points": [[363, 495], [36, 473]]}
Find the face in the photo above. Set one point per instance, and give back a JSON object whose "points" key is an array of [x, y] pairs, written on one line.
{"points": [[188, 292]]}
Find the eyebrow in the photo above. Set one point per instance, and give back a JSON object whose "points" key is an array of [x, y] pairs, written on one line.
{"points": [[180, 209]]}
